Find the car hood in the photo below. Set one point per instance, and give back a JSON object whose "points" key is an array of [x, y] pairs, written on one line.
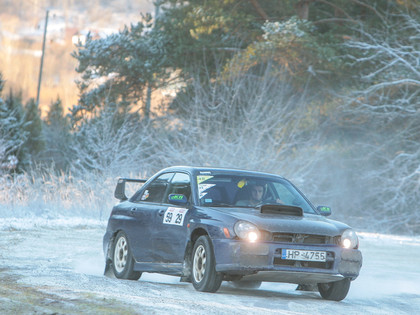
{"points": [[306, 224]]}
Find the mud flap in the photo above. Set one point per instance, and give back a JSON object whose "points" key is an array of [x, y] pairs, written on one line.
{"points": [[108, 270], [185, 279]]}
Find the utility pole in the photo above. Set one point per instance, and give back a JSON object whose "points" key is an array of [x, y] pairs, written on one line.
{"points": [[42, 59]]}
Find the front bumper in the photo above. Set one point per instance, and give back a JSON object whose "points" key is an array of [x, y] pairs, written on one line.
{"points": [[263, 262]]}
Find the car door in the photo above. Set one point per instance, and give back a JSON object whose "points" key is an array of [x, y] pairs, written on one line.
{"points": [[170, 235], [144, 208]]}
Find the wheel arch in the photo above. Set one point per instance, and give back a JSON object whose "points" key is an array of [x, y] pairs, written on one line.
{"points": [[186, 271], [108, 256], [111, 241], [197, 233]]}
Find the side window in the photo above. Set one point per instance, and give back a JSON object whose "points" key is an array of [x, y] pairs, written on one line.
{"points": [[284, 194], [155, 191], [290, 196], [180, 184]]}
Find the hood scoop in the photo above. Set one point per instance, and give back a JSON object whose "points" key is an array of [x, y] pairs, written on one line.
{"points": [[282, 209]]}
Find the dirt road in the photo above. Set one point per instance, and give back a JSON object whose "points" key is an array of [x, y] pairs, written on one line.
{"points": [[55, 267]]}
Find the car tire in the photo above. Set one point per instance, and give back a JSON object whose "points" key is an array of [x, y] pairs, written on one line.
{"points": [[204, 276], [122, 259], [334, 291], [246, 284]]}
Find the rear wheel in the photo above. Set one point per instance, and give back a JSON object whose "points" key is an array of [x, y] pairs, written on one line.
{"points": [[334, 291], [123, 261], [204, 276]]}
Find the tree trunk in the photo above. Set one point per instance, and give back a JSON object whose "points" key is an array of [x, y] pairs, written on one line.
{"points": [[148, 101], [302, 8]]}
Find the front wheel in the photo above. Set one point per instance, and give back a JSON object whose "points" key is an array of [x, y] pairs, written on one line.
{"points": [[334, 291], [204, 275], [123, 261]]}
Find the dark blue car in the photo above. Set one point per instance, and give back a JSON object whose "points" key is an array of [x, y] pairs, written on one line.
{"points": [[209, 225]]}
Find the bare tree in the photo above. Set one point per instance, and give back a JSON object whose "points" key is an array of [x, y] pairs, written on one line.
{"points": [[387, 107], [111, 147], [246, 121]]}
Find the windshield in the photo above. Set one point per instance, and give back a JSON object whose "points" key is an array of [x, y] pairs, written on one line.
{"points": [[238, 191]]}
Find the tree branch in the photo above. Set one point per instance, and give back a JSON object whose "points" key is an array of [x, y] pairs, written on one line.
{"points": [[259, 9]]}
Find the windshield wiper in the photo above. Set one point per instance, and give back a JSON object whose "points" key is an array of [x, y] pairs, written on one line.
{"points": [[258, 206], [219, 204]]}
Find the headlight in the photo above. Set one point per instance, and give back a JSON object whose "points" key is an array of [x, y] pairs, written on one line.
{"points": [[247, 231], [349, 239]]}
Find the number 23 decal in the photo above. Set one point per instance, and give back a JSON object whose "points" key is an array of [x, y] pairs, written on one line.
{"points": [[174, 216]]}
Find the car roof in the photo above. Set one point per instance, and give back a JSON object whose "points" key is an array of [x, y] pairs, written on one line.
{"points": [[204, 169]]}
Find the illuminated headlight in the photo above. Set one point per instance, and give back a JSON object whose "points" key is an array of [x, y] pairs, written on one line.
{"points": [[349, 239], [247, 231]]}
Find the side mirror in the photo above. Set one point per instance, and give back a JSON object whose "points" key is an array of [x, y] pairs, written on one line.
{"points": [[178, 199], [324, 210]]}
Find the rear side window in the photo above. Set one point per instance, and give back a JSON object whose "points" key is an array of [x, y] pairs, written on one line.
{"points": [[155, 191]]}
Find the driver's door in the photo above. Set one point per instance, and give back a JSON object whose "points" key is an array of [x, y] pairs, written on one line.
{"points": [[170, 234], [143, 212]]}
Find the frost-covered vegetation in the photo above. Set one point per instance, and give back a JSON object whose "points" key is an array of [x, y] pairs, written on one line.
{"points": [[325, 93]]}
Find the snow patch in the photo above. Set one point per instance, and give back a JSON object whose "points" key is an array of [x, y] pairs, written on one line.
{"points": [[400, 239], [17, 224]]}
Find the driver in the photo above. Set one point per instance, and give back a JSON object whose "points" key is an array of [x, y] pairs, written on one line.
{"points": [[255, 196]]}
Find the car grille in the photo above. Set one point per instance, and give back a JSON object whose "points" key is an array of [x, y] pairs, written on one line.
{"points": [[294, 238]]}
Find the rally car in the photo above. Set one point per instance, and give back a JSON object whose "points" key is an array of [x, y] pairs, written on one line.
{"points": [[208, 225]]}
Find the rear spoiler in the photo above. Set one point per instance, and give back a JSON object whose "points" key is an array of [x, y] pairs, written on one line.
{"points": [[119, 192]]}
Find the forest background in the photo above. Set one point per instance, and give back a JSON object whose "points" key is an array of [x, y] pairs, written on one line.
{"points": [[323, 92]]}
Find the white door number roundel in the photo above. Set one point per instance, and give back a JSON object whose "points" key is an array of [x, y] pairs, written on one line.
{"points": [[174, 216]]}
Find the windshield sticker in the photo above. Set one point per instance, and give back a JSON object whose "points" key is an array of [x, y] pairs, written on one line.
{"points": [[203, 178], [174, 216], [242, 183], [204, 187], [202, 194], [145, 195]]}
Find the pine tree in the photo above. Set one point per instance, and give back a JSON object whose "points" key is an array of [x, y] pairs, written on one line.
{"points": [[121, 70], [12, 129], [58, 139], [33, 126]]}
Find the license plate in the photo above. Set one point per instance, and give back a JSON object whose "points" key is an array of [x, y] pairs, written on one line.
{"points": [[303, 255]]}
